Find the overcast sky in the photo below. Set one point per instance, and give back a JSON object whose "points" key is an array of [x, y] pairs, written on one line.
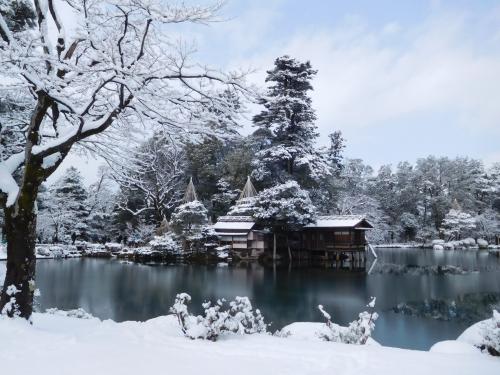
{"points": [[400, 79]]}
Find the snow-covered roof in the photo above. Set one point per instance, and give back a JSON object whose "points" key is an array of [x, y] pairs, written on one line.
{"points": [[233, 225], [236, 219], [232, 234], [340, 221]]}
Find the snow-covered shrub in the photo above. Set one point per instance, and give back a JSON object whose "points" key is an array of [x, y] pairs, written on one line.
{"points": [[490, 333], [358, 331], [77, 313], [238, 318], [11, 308], [483, 244], [167, 243]]}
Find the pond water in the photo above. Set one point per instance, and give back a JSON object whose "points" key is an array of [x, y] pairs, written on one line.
{"points": [[110, 289]]}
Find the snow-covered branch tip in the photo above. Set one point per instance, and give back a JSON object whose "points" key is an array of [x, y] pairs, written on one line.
{"points": [[357, 332]]}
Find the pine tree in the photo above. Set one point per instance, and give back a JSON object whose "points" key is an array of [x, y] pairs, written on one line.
{"points": [[19, 14], [335, 151], [67, 206], [289, 117], [189, 219], [284, 208]]}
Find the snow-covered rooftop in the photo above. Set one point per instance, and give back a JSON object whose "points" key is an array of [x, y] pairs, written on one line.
{"points": [[236, 219], [339, 221], [228, 225], [244, 223], [232, 234]]}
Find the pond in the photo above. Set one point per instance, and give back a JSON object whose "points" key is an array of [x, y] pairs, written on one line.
{"points": [[111, 289]]}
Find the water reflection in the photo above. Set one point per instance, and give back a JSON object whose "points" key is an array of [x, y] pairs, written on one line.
{"points": [[120, 291]]}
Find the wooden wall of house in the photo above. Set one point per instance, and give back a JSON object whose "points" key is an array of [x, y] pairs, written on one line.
{"points": [[328, 239]]}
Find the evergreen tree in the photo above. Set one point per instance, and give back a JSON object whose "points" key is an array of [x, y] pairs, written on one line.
{"points": [[335, 151], [284, 208], [67, 206], [19, 14], [289, 118], [189, 219]]}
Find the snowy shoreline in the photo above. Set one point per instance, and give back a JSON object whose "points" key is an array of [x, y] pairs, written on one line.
{"points": [[61, 344]]}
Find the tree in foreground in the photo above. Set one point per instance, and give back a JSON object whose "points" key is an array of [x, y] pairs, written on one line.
{"points": [[117, 69], [283, 208]]}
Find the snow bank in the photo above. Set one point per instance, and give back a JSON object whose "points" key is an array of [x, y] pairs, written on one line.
{"points": [[409, 245], [454, 347], [57, 344], [309, 331]]}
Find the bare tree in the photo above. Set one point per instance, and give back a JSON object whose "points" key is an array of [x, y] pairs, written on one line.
{"points": [[156, 173], [119, 68]]}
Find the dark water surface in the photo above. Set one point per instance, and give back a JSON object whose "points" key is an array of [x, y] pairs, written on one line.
{"points": [[110, 289]]}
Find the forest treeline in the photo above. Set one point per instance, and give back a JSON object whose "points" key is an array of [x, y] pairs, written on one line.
{"points": [[435, 197]]}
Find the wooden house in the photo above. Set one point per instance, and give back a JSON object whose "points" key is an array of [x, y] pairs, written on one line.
{"points": [[241, 234], [335, 233], [338, 236]]}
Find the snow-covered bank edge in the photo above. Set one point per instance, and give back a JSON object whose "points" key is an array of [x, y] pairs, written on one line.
{"points": [[60, 344], [48, 251]]}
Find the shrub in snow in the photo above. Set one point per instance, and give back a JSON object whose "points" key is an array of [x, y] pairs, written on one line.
{"points": [[167, 243], [77, 313], [239, 318], [490, 334], [11, 308], [113, 247], [483, 244], [358, 331], [438, 247]]}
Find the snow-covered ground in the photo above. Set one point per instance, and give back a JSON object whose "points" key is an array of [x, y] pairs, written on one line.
{"points": [[57, 344]]}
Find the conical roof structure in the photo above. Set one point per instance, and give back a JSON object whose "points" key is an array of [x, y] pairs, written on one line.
{"points": [[190, 195], [248, 191]]}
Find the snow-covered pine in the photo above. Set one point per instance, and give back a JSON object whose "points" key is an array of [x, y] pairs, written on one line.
{"points": [[189, 220], [283, 208], [65, 209], [245, 204], [458, 224], [289, 119], [225, 197]]}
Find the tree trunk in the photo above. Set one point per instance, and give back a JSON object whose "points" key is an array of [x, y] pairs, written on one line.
{"points": [[274, 246], [289, 250], [20, 230]]}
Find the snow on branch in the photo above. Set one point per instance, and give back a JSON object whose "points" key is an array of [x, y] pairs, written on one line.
{"points": [[118, 68], [239, 318], [357, 332]]}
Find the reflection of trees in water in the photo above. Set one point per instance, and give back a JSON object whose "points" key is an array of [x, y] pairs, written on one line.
{"points": [[466, 259], [110, 289], [468, 308]]}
